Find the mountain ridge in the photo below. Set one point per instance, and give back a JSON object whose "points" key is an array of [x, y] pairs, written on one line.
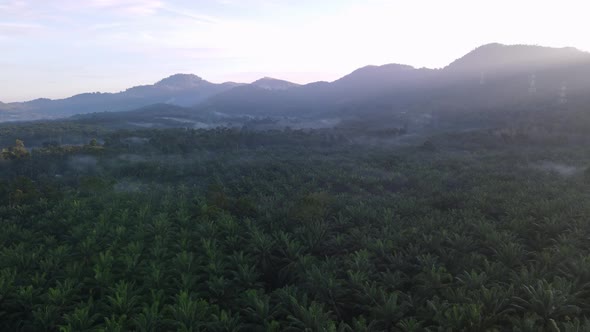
{"points": [[178, 89], [270, 83], [396, 85]]}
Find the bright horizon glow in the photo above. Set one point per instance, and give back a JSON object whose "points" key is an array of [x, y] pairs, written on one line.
{"points": [[58, 48]]}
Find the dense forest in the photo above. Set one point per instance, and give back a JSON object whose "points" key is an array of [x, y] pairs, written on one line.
{"points": [[231, 229]]}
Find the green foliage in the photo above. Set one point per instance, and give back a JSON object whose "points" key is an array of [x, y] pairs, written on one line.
{"points": [[179, 230], [18, 151]]}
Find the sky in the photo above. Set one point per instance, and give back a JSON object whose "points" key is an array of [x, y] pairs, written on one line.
{"points": [[57, 48]]}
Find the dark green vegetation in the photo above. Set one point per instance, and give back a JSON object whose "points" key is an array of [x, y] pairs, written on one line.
{"points": [[315, 230]]}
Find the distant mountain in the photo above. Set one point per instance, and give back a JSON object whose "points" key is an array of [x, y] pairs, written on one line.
{"points": [[254, 98], [179, 89], [512, 59], [490, 77], [519, 76], [181, 82], [377, 76], [362, 84], [374, 81], [269, 83]]}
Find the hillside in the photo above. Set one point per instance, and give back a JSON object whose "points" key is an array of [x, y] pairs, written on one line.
{"points": [[179, 89], [490, 77]]}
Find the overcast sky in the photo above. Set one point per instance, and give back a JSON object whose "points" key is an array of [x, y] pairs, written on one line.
{"points": [[57, 48]]}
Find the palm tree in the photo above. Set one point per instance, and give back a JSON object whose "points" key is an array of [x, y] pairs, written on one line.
{"points": [[189, 314], [548, 300], [496, 303], [433, 279], [388, 310], [123, 299], [576, 325], [457, 316], [219, 289], [473, 279], [45, 317], [262, 246], [114, 324], [246, 276], [149, 319], [103, 274], [132, 257], [529, 323], [289, 251], [81, 319], [259, 312], [311, 318], [359, 324], [510, 253], [577, 269], [411, 325], [325, 287], [185, 262], [225, 322]]}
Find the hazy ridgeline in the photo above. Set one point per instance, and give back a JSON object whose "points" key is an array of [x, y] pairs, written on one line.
{"points": [[490, 77]]}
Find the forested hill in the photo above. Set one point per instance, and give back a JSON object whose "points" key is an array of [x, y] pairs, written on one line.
{"points": [[179, 89], [490, 77]]}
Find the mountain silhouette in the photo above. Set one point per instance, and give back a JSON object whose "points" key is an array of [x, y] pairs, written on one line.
{"points": [[269, 83], [490, 76], [178, 89]]}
